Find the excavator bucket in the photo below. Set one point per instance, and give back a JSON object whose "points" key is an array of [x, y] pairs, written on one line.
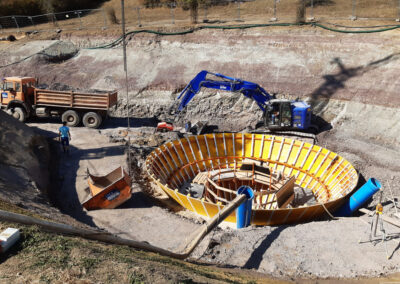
{"points": [[109, 191]]}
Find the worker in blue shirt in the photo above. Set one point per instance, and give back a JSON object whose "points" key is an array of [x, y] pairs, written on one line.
{"points": [[64, 136]]}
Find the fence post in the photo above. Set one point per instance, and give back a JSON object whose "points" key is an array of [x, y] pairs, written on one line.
{"points": [[205, 20], [238, 10], [312, 11], [398, 13], [80, 20], [138, 16], [16, 23], [353, 11], [55, 20], [172, 14], [274, 18], [104, 18], [30, 18]]}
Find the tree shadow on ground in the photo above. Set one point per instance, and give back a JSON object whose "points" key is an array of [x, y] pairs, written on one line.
{"points": [[333, 82], [257, 255]]}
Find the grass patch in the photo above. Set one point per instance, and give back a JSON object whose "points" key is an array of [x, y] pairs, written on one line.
{"points": [[46, 258], [136, 278], [89, 263], [9, 207]]}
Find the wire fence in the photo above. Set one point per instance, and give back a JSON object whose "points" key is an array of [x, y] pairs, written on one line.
{"points": [[209, 11]]}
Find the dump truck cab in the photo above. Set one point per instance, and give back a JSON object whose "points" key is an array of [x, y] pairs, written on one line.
{"points": [[17, 95], [22, 99]]}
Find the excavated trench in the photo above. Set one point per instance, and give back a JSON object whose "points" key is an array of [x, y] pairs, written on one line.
{"points": [[350, 80]]}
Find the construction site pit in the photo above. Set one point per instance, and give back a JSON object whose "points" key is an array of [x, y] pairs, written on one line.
{"points": [[354, 92], [293, 181]]}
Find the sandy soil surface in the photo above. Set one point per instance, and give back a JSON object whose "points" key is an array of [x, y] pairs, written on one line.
{"points": [[139, 218]]}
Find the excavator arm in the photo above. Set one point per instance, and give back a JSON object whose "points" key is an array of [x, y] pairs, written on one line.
{"points": [[248, 89]]}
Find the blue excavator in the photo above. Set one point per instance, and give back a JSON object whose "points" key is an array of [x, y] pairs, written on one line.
{"points": [[278, 114]]}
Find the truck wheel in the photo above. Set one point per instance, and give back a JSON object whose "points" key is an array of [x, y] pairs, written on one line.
{"points": [[19, 113], [71, 117], [92, 120]]}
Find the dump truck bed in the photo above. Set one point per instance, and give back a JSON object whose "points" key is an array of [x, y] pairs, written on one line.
{"points": [[100, 101]]}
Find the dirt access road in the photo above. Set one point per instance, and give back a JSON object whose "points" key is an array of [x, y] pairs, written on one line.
{"points": [[137, 219]]}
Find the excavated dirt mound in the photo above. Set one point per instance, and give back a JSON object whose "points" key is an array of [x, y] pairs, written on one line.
{"points": [[58, 52]]}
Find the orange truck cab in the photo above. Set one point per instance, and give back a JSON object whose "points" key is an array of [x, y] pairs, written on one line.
{"points": [[17, 96]]}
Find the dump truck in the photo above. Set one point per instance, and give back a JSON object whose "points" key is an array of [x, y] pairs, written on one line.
{"points": [[22, 99]]}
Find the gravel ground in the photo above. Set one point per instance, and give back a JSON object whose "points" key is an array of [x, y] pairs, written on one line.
{"points": [[138, 219]]}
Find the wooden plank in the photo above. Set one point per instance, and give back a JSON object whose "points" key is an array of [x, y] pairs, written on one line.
{"points": [[94, 101], [297, 157], [187, 159], [208, 151], [286, 193], [89, 100], [252, 145], [53, 96], [201, 178], [262, 146], [216, 197], [279, 153], [191, 150], [201, 152], [113, 99], [219, 187]]}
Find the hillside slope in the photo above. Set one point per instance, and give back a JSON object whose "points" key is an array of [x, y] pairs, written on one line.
{"points": [[24, 159], [25, 175]]}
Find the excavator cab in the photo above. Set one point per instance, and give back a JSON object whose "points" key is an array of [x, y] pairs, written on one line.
{"points": [[278, 114], [285, 114]]}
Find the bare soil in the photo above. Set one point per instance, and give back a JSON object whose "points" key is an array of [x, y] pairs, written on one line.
{"points": [[351, 81]]}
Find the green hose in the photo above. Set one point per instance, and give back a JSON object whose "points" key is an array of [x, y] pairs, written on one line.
{"points": [[357, 32], [242, 27]]}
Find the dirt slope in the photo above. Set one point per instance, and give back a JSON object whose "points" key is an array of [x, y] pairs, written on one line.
{"points": [[24, 161], [25, 171]]}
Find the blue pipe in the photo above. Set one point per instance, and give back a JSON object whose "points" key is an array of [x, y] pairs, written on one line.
{"points": [[243, 212], [359, 198]]}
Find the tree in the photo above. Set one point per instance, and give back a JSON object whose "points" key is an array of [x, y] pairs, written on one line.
{"points": [[300, 11], [193, 6]]}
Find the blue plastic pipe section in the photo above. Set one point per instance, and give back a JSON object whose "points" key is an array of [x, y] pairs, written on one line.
{"points": [[359, 197], [243, 212]]}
